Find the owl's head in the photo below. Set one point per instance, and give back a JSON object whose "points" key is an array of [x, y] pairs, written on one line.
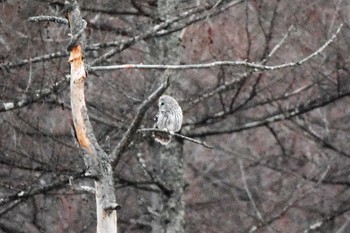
{"points": [[167, 103]]}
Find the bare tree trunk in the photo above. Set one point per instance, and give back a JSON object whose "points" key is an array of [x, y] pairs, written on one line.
{"points": [[170, 205], [170, 157], [173, 214], [96, 160]]}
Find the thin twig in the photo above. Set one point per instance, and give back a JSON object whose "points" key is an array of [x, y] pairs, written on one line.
{"points": [[290, 29], [244, 179], [177, 135]]}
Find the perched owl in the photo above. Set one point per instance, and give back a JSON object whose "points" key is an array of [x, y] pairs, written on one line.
{"points": [[169, 118]]}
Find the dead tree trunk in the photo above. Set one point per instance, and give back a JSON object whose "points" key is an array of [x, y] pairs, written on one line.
{"points": [[96, 160]]}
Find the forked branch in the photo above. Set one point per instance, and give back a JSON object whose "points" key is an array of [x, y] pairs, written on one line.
{"points": [[128, 136]]}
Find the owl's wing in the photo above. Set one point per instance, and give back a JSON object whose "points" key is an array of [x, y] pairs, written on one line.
{"points": [[160, 123]]}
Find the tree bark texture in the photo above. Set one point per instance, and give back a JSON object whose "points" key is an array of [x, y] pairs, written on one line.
{"points": [[172, 171], [170, 157]]}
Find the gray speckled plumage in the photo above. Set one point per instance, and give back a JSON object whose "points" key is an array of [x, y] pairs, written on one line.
{"points": [[169, 118]]}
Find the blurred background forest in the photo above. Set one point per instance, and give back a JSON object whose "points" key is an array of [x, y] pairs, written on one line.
{"points": [[281, 141]]}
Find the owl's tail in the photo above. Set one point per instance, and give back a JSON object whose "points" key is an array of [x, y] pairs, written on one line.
{"points": [[162, 138]]}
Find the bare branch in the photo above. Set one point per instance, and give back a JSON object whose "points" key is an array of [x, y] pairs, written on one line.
{"points": [[215, 117], [252, 65], [244, 179], [48, 18], [46, 57], [32, 191], [317, 138], [128, 136], [297, 197], [29, 99], [177, 135], [158, 29], [278, 116], [121, 45], [277, 46], [230, 84], [215, 10]]}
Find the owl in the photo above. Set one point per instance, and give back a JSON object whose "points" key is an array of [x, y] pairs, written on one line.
{"points": [[169, 118]]}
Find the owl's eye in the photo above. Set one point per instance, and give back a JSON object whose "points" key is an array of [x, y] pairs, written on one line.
{"points": [[162, 103]]}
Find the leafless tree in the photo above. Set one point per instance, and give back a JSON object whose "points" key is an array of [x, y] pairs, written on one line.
{"points": [[264, 87]]}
